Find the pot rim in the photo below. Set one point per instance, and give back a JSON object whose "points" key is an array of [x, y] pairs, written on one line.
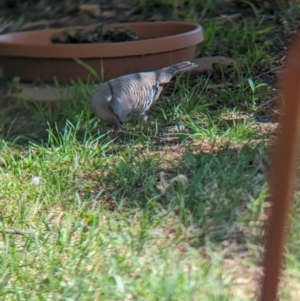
{"points": [[11, 46]]}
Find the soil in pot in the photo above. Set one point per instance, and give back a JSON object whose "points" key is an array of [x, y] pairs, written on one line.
{"points": [[100, 34]]}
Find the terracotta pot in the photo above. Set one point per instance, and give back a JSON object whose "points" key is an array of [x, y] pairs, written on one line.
{"points": [[31, 55]]}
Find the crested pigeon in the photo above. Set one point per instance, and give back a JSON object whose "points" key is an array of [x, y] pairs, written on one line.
{"points": [[118, 100]]}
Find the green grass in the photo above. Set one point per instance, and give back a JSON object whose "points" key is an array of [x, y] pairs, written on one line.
{"points": [[82, 212]]}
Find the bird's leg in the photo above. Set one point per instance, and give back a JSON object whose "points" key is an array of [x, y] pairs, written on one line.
{"points": [[112, 128], [145, 116], [115, 128]]}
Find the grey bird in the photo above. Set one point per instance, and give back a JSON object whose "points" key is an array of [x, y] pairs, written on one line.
{"points": [[118, 100]]}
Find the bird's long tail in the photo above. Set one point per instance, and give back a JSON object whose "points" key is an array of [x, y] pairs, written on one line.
{"points": [[165, 74]]}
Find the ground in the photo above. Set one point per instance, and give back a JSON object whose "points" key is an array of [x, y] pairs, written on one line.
{"points": [[89, 215]]}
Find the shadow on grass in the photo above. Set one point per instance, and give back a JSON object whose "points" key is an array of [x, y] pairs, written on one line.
{"points": [[22, 122], [223, 203]]}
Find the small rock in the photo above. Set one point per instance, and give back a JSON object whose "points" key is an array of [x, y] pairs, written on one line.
{"points": [[92, 9], [109, 14], [36, 180]]}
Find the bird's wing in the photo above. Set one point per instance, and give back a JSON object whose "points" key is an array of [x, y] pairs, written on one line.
{"points": [[137, 91]]}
